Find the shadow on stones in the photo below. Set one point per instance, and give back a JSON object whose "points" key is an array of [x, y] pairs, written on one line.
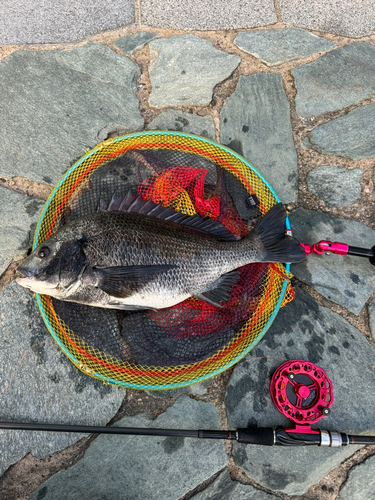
{"points": [[277, 480], [172, 444]]}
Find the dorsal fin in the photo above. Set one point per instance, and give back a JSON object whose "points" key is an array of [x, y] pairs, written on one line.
{"points": [[147, 207]]}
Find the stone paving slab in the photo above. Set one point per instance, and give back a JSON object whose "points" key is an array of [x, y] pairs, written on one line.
{"points": [[47, 388], [26, 21], [360, 484], [255, 122], [347, 280], [196, 389], [131, 43], [173, 119], [351, 135], [336, 80], [68, 97], [336, 186], [56, 104], [354, 18], [302, 330], [185, 70], [208, 15], [19, 215], [278, 46], [371, 312], [224, 488], [139, 467]]}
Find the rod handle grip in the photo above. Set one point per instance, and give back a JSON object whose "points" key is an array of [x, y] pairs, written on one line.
{"points": [[256, 435]]}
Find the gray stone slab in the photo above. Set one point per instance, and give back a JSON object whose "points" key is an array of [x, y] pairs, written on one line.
{"points": [[53, 105], [302, 330], [185, 70], [61, 20], [137, 467], [336, 186], [351, 135], [344, 279], [18, 217], [338, 79], [174, 119], [354, 19], [46, 388], [371, 312], [208, 15], [224, 488], [255, 122], [196, 389], [360, 484], [131, 43], [277, 46]]}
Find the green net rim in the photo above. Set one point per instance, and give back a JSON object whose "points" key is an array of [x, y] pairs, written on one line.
{"points": [[38, 297]]}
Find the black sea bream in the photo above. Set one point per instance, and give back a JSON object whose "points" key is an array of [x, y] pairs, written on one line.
{"points": [[151, 257]]}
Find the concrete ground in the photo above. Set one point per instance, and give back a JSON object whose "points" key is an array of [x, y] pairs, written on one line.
{"points": [[288, 85]]}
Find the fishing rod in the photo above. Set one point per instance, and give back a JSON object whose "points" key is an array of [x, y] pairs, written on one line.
{"points": [[299, 389]]}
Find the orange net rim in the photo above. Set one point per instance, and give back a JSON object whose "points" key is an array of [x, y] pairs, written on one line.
{"points": [[157, 373]]}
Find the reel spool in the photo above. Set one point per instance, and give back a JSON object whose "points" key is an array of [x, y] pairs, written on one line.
{"points": [[301, 391]]}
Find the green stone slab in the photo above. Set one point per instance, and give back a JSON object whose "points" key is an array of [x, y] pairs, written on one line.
{"points": [[278, 46], [336, 80], [336, 186], [224, 488], [255, 122], [185, 70], [143, 467], [360, 484], [174, 119], [55, 103], [131, 43], [351, 135]]}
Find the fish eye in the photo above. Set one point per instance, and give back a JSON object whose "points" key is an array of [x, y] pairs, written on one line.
{"points": [[44, 252]]}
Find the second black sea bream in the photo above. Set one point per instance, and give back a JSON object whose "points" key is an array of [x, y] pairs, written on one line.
{"points": [[151, 257]]}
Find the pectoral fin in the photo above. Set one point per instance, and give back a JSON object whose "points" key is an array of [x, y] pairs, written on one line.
{"points": [[124, 281]]}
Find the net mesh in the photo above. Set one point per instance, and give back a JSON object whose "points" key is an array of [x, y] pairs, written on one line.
{"points": [[190, 341]]}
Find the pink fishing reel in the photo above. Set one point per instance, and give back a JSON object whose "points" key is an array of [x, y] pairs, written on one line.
{"points": [[302, 392]]}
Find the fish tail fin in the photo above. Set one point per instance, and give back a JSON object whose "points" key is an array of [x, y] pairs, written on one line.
{"points": [[271, 230]]}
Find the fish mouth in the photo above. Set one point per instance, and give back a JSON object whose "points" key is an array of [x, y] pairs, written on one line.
{"points": [[34, 285], [23, 277], [22, 281], [22, 272]]}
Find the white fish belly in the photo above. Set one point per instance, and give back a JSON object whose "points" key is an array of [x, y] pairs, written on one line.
{"points": [[151, 300]]}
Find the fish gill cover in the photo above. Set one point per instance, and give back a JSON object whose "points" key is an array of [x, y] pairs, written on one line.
{"points": [[193, 340]]}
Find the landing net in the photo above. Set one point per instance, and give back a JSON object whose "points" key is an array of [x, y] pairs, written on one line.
{"points": [[193, 340]]}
